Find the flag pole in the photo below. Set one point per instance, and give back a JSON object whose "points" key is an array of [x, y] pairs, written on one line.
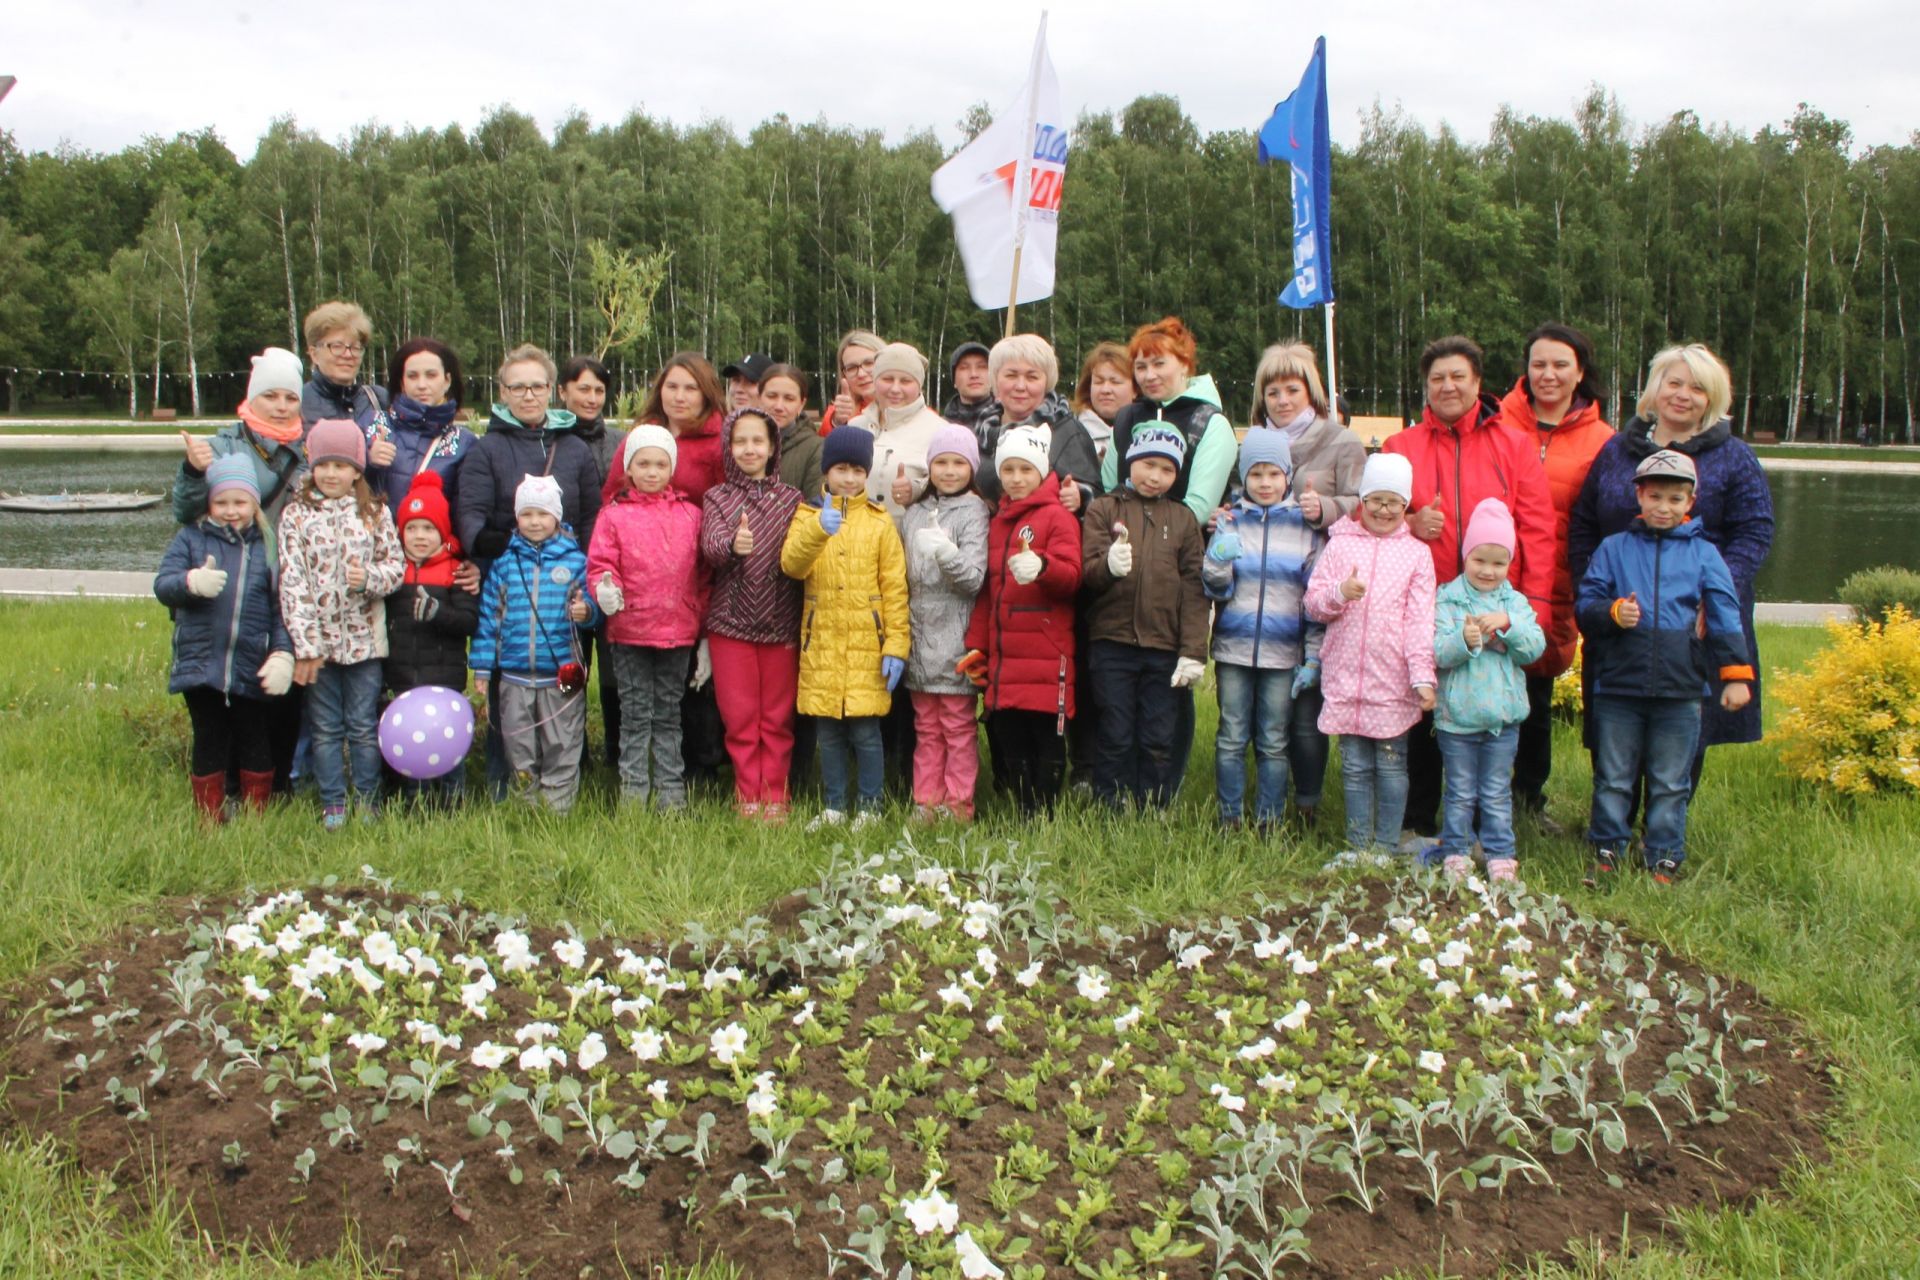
{"points": [[1333, 380], [1023, 169], [1013, 290]]}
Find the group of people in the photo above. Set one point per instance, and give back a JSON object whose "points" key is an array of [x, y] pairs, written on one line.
{"points": [[1059, 567]]}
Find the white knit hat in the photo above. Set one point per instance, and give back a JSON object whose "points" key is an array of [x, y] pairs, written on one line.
{"points": [[1029, 444], [540, 493], [1387, 473], [275, 369], [649, 435]]}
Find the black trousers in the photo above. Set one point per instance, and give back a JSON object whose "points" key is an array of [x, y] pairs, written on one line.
{"points": [[1533, 764], [1424, 774], [1030, 755], [229, 735], [1138, 721]]}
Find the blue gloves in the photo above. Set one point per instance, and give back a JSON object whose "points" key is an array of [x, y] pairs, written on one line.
{"points": [[1225, 547], [1306, 676], [830, 517], [891, 669]]}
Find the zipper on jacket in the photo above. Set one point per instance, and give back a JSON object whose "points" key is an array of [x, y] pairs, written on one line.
{"points": [[1366, 618], [1659, 546], [1260, 598], [233, 628]]}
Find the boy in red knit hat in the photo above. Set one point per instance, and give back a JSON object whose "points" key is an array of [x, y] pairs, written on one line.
{"points": [[430, 617]]}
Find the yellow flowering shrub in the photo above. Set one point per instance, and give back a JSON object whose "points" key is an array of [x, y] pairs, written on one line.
{"points": [[1851, 720], [1567, 700]]}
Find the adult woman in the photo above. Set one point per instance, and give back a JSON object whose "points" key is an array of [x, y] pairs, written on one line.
{"points": [[1327, 462], [783, 394], [425, 382], [1557, 400], [902, 427], [1463, 453], [583, 393], [1683, 407], [1023, 371], [685, 399], [1165, 356], [858, 349], [1104, 389], [337, 335]]}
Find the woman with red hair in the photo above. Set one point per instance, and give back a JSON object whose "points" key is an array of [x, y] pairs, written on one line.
{"points": [[686, 399], [1165, 357]]}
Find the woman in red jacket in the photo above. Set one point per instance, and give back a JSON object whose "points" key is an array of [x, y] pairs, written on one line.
{"points": [[1557, 400], [1463, 453]]}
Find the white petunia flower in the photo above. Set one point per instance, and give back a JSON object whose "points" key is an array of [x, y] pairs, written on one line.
{"points": [[379, 947], [571, 952], [536, 1032], [1420, 937], [659, 1090], [1092, 985], [542, 1057], [994, 1024], [1128, 1020], [647, 1044], [632, 1008], [592, 1052], [310, 923], [1430, 1060], [728, 1043], [1446, 988], [1566, 989], [888, 884], [367, 1042], [932, 877], [1302, 965], [243, 937], [1028, 976], [974, 1263], [1228, 1098], [1270, 948], [1295, 1018], [1193, 956], [253, 990], [954, 994], [714, 978], [1282, 1083], [489, 1056], [805, 1015], [363, 977], [931, 1212], [1224, 1017], [1263, 1048]]}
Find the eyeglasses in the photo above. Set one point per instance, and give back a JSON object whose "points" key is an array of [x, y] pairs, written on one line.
{"points": [[526, 388], [344, 348], [848, 370]]}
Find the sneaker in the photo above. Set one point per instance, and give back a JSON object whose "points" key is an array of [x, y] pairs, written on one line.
{"points": [[1545, 824], [1230, 825], [1457, 866], [1349, 858], [1413, 844], [1504, 870], [334, 817], [926, 815], [747, 809], [1665, 871], [827, 818], [1606, 863], [774, 814], [864, 819]]}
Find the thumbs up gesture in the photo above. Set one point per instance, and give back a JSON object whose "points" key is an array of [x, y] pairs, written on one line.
{"points": [[1225, 547], [930, 540], [1428, 521], [356, 573], [830, 516], [608, 595], [743, 536], [1023, 564], [1471, 632], [1120, 554], [199, 452], [1352, 588], [902, 487], [208, 581], [1627, 612], [381, 452], [1309, 502]]}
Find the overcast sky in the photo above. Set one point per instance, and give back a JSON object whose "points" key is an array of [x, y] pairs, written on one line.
{"points": [[103, 73]]}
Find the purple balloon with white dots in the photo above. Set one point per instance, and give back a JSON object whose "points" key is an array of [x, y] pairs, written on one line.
{"points": [[425, 732]]}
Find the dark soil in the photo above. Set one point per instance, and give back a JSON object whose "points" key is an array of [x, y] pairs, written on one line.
{"points": [[587, 1226]]}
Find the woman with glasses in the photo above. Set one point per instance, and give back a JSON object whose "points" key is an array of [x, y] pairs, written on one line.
{"points": [[859, 348]]}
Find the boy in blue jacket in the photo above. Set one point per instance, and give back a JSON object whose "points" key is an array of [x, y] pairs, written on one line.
{"points": [[1649, 594], [531, 603]]}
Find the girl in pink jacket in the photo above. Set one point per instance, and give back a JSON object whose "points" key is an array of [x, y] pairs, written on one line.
{"points": [[1373, 586], [648, 579]]}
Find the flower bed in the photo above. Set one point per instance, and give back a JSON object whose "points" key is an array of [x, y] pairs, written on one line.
{"points": [[921, 1064]]}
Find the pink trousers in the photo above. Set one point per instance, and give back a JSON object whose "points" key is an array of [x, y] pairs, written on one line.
{"points": [[755, 686], [946, 757]]}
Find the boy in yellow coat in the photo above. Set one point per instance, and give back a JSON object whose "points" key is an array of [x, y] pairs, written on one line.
{"points": [[854, 634]]}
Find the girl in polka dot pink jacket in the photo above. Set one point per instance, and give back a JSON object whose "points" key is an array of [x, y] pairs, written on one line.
{"points": [[1373, 586]]}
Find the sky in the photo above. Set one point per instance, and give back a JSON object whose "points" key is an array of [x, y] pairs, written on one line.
{"points": [[102, 74]]}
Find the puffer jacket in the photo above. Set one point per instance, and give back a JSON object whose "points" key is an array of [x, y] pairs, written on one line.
{"points": [[697, 459], [220, 643], [525, 634], [277, 469], [483, 514], [1679, 580], [800, 446], [1567, 452], [425, 438], [1212, 448], [1026, 632], [1480, 457], [900, 440], [602, 441], [429, 621], [855, 608], [362, 403], [751, 599], [650, 543], [940, 597], [1162, 603], [1379, 647], [1071, 453], [1482, 690], [326, 617], [1262, 622]]}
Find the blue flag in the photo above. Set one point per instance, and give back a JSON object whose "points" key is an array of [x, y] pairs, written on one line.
{"points": [[1297, 134]]}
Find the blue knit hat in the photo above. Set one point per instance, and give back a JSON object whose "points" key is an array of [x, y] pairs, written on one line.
{"points": [[1156, 440], [847, 444], [1265, 444], [232, 471]]}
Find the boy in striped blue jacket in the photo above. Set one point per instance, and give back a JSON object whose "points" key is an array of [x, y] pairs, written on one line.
{"points": [[532, 606]]}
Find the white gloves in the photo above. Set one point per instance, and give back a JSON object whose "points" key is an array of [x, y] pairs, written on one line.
{"points": [[208, 581], [1187, 672], [1120, 558], [276, 673], [702, 666], [607, 594], [928, 541], [1025, 566]]}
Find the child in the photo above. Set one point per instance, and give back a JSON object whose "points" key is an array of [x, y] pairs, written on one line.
{"points": [[649, 582], [1373, 586], [1652, 665], [854, 628], [530, 604], [1265, 650], [339, 559], [1146, 618], [945, 531], [1484, 633], [230, 651], [430, 618], [753, 616], [1020, 640]]}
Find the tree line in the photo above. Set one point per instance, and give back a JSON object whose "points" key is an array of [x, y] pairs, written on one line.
{"points": [[1789, 251]]}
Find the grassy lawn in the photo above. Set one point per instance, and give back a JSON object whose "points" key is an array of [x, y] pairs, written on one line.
{"points": [[1816, 903]]}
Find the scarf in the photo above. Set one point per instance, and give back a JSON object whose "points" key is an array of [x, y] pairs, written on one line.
{"points": [[1298, 427], [429, 419], [289, 434]]}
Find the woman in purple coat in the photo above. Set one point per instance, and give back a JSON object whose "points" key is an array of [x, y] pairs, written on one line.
{"points": [[1684, 408]]}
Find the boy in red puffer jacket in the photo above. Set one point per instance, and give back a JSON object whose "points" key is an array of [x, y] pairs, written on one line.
{"points": [[429, 619]]}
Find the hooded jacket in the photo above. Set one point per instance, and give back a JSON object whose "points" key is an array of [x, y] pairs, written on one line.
{"points": [[1262, 621], [650, 543], [1379, 647], [1479, 457], [1026, 631], [854, 610], [276, 470], [525, 634], [1678, 579], [751, 599], [1070, 449], [1482, 690], [220, 643], [1162, 603], [1567, 451], [940, 597], [697, 458], [900, 440], [429, 621], [483, 514], [1212, 448], [800, 446], [326, 617], [420, 444]]}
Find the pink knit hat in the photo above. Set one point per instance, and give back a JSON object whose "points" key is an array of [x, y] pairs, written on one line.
{"points": [[1491, 523], [337, 440]]}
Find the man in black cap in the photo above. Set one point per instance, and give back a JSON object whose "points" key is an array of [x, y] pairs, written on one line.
{"points": [[743, 380], [967, 369]]}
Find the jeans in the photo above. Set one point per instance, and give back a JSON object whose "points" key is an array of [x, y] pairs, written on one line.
{"points": [[1533, 762], [1308, 752], [1138, 714], [1256, 705], [1643, 738], [343, 704], [651, 683], [1479, 769], [862, 734], [1373, 776]]}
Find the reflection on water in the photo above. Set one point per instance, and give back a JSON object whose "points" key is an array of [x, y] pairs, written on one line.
{"points": [[1828, 525]]}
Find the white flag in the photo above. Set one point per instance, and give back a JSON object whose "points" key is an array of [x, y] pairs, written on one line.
{"points": [[1024, 149]]}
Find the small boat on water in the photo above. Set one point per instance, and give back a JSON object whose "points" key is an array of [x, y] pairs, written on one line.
{"points": [[63, 503]]}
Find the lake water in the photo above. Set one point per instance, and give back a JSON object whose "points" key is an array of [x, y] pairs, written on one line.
{"points": [[1828, 525]]}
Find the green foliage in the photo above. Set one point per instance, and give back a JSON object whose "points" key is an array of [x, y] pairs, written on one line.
{"points": [[1874, 593], [1852, 715]]}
